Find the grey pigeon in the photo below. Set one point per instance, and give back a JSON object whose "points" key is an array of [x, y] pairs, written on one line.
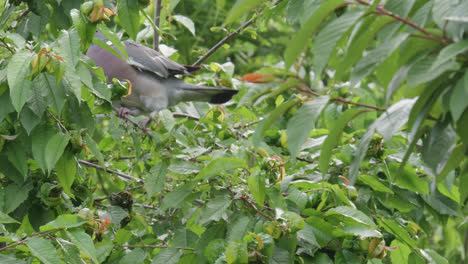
{"points": [[152, 76]]}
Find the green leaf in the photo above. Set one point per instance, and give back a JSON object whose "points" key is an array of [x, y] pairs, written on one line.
{"points": [[256, 183], [433, 257], [85, 29], [240, 8], [167, 256], [295, 221], [7, 107], [375, 57], [214, 249], [346, 257], [66, 172], [136, 256], [438, 146], [268, 122], [108, 48], [401, 253], [302, 122], [408, 178], [239, 227], [215, 209], [374, 183], [186, 22], [6, 219], [67, 221], [398, 231], [322, 258], [184, 238], [129, 16], [387, 124], [54, 149], [361, 231], [14, 196], [442, 204], [280, 256], [366, 33], [216, 166], [421, 71], [84, 242], [236, 252], [103, 249], [352, 213], [17, 156], [155, 183], [114, 39], [323, 231], [68, 47], [458, 104], [55, 96], [39, 139], [329, 35], [18, 69], [449, 52], [70, 252], [299, 40], [93, 146], [176, 197], [6, 259], [29, 119], [394, 118], [307, 235], [334, 135], [43, 250]]}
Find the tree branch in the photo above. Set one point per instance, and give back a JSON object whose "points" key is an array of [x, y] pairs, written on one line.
{"points": [[157, 19], [138, 125], [224, 40], [383, 11], [99, 167], [21, 242]]}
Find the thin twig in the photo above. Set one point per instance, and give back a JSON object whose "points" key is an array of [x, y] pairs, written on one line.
{"points": [[246, 125], [383, 11], [4, 44], [138, 125], [45, 233], [99, 167], [185, 116], [157, 19], [146, 206], [224, 40], [342, 100]]}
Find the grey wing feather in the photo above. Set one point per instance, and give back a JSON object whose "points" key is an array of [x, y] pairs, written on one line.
{"points": [[148, 59]]}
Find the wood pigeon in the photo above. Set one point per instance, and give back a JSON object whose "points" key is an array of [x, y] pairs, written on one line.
{"points": [[152, 76]]}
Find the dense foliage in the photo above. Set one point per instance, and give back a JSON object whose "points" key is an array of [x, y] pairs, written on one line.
{"points": [[346, 143]]}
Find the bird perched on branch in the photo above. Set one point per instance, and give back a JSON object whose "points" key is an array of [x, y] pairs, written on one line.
{"points": [[153, 79]]}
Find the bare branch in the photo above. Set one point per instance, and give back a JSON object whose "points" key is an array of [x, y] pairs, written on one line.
{"points": [[157, 19], [224, 40], [99, 167], [142, 128]]}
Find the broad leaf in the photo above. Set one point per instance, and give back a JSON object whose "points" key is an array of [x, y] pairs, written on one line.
{"points": [[300, 125], [83, 241], [335, 132], [299, 40], [217, 166], [256, 183], [167, 256], [43, 250], [129, 16], [18, 70]]}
